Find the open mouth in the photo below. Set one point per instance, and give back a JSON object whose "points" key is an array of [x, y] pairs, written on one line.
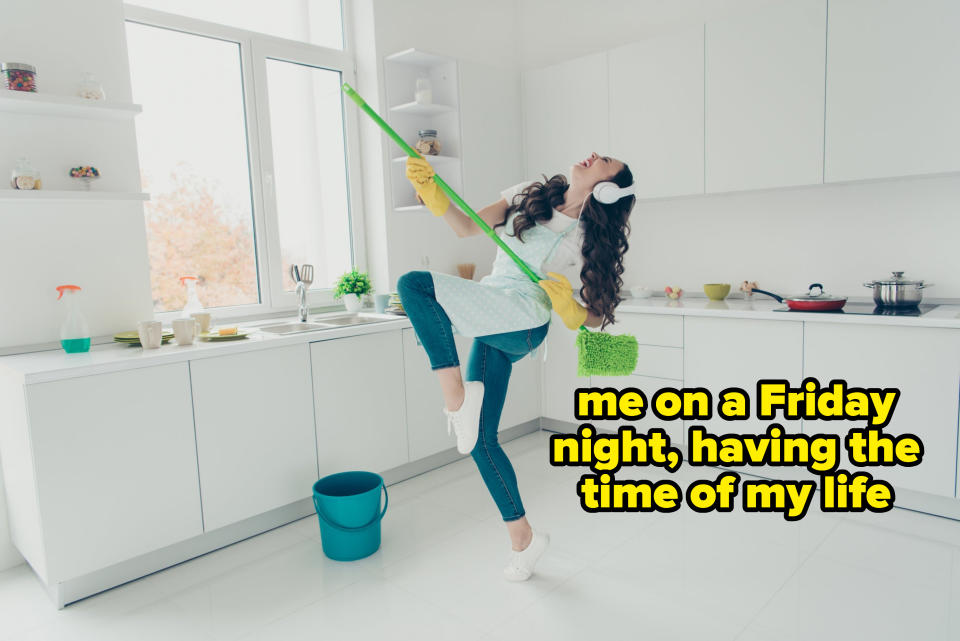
{"points": [[586, 163]]}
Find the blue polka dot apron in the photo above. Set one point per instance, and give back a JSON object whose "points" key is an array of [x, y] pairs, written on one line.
{"points": [[506, 300]]}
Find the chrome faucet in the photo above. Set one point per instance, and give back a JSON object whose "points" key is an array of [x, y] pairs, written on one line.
{"points": [[303, 277]]}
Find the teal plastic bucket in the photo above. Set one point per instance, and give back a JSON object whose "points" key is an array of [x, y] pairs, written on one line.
{"points": [[348, 506]]}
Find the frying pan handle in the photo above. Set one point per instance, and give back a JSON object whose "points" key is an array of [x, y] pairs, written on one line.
{"points": [[779, 299], [818, 286]]}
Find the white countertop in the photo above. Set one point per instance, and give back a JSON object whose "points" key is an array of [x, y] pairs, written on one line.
{"points": [[763, 309], [51, 365]]}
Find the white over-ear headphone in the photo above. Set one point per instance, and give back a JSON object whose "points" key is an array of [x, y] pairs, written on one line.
{"points": [[608, 192]]}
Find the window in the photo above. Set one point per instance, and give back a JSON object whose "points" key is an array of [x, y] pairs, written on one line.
{"points": [[243, 150]]}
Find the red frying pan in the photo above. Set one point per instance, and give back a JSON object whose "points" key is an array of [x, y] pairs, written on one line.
{"points": [[810, 302]]}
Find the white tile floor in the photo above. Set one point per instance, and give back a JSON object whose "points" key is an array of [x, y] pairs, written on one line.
{"points": [[749, 577]]}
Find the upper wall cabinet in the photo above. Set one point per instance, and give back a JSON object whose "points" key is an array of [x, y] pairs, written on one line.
{"points": [[892, 94], [565, 114], [764, 94], [656, 112]]}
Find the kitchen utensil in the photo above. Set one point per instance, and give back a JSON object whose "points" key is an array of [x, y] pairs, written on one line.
{"points": [[716, 291], [897, 291], [597, 352], [150, 333], [295, 274], [306, 275], [809, 302], [204, 319], [186, 330]]}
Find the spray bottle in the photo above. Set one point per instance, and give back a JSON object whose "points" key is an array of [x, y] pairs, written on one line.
{"points": [[74, 333], [193, 303]]}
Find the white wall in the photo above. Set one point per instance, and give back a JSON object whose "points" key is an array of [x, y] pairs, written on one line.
{"points": [[98, 246], [840, 235]]}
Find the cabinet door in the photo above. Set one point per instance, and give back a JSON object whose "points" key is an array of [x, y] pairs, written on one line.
{"points": [[892, 92], [764, 97], [649, 386], [924, 363], [426, 423], [566, 116], [734, 352], [559, 378], [358, 389], [116, 466], [255, 442], [656, 112]]}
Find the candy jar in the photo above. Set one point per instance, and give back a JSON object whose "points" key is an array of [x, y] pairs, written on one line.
{"points": [[427, 143], [19, 76], [90, 88], [85, 174], [24, 176]]}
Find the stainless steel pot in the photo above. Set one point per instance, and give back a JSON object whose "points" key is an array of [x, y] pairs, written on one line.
{"points": [[897, 291]]}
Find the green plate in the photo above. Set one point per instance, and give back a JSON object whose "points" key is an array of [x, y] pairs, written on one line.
{"points": [[134, 337], [215, 337]]}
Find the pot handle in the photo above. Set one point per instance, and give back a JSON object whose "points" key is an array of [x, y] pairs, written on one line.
{"points": [[924, 285], [870, 284], [779, 299], [818, 286]]}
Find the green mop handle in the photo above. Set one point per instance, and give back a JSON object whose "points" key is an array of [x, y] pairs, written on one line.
{"points": [[464, 207]]}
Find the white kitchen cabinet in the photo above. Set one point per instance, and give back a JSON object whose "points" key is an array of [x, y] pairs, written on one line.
{"points": [[656, 112], [649, 386], [115, 468], [892, 91], [923, 363], [737, 352], [764, 95], [426, 423], [566, 114], [358, 390], [255, 438]]}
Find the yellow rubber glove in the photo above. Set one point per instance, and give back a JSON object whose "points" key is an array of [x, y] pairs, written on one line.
{"points": [[572, 313], [420, 175]]}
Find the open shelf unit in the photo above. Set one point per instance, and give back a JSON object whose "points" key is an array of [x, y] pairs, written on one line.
{"points": [[46, 195], [407, 117], [24, 102]]}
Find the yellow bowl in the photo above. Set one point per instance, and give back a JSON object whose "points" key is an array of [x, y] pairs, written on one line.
{"points": [[716, 291]]}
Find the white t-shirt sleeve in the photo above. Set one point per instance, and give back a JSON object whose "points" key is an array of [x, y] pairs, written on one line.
{"points": [[509, 193]]}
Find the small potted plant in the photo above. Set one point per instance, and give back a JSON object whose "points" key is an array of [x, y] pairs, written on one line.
{"points": [[351, 287]]}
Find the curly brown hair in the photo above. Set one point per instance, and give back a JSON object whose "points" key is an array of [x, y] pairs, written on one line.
{"points": [[605, 227]]}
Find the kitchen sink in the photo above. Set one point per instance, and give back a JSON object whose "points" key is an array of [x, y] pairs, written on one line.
{"points": [[292, 328], [344, 320], [323, 322]]}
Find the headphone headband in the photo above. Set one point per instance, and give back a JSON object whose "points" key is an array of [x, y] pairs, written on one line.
{"points": [[609, 192]]}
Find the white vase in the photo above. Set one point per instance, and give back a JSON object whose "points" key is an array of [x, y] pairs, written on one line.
{"points": [[352, 301]]}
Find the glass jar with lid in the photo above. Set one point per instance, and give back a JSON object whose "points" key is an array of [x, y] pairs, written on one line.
{"points": [[90, 88], [24, 175], [427, 143], [19, 76]]}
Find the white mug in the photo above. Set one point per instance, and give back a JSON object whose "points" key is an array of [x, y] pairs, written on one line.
{"points": [[204, 319], [151, 334], [185, 330]]}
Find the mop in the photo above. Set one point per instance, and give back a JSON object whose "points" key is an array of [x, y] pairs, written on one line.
{"points": [[598, 353]]}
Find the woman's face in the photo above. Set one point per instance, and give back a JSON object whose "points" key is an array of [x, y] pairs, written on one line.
{"points": [[594, 169]]}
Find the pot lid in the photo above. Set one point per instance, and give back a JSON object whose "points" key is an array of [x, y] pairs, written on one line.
{"points": [[897, 279], [815, 293]]}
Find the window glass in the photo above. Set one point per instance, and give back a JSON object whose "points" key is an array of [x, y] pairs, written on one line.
{"points": [[194, 162], [315, 21], [310, 172]]}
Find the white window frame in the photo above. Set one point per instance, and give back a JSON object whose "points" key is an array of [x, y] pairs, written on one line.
{"points": [[255, 49]]}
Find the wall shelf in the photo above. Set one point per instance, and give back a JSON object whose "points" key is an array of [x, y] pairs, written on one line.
{"points": [[46, 195], [431, 159], [23, 102], [417, 58], [417, 109], [411, 208]]}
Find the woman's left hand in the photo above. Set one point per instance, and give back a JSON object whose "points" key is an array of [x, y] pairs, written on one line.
{"points": [[572, 313]]}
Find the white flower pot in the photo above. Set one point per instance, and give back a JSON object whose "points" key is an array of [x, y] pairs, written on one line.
{"points": [[352, 301]]}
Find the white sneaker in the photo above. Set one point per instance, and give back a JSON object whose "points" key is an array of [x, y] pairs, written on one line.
{"points": [[521, 563], [466, 420]]}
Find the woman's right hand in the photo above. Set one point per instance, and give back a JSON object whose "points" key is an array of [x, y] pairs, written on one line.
{"points": [[420, 174]]}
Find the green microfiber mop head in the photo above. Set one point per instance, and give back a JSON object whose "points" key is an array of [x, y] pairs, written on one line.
{"points": [[601, 354]]}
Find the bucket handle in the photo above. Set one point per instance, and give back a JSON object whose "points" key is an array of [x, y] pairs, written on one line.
{"points": [[344, 528]]}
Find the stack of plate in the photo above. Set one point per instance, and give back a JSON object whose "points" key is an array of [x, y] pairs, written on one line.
{"points": [[133, 338], [215, 336], [395, 306]]}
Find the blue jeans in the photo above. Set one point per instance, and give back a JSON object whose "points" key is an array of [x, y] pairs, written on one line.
{"points": [[491, 361]]}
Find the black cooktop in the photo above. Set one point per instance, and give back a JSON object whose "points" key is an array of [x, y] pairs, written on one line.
{"points": [[869, 309]]}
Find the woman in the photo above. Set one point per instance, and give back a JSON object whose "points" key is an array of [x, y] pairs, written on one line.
{"points": [[551, 225]]}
